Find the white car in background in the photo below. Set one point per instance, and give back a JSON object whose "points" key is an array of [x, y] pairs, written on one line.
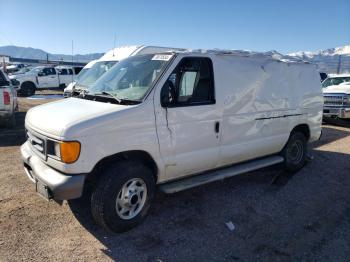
{"points": [[336, 94], [108, 60], [8, 101], [42, 77], [67, 92]]}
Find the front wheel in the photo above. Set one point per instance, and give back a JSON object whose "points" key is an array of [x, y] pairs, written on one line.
{"points": [[27, 89], [123, 196], [295, 152]]}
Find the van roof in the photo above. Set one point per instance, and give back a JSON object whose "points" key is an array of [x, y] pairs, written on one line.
{"points": [[123, 52], [270, 55]]}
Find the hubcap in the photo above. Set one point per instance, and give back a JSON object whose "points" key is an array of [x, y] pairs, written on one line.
{"points": [[295, 152], [131, 198]]}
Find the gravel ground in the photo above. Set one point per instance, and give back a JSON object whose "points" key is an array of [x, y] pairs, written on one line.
{"points": [[304, 217]]}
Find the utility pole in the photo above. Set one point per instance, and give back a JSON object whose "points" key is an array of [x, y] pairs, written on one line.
{"points": [[339, 65], [115, 37], [72, 51]]}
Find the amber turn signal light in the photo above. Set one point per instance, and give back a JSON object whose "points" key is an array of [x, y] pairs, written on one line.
{"points": [[70, 151]]}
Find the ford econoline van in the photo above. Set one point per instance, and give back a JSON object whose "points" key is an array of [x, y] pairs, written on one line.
{"points": [[171, 121]]}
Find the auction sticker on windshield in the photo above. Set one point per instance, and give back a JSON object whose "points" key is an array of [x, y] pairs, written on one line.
{"points": [[162, 57]]}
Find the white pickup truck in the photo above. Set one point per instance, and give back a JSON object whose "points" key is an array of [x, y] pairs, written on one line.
{"points": [[172, 121], [8, 101], [336, 93], [44, 77]]}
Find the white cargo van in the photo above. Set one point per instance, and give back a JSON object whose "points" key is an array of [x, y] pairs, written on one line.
{"points": [[67, 92], [108, 60], [172, 121]]}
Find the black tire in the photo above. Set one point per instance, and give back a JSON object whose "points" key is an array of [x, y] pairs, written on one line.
{"points": [[295, 152], [27, 89], [104, 197]]}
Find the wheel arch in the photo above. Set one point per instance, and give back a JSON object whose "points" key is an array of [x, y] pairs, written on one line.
{"points": [[28, 82], [137, 155], [303, 128]]}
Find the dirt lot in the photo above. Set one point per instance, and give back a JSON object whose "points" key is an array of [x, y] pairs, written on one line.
{"points": [[304, 217]]}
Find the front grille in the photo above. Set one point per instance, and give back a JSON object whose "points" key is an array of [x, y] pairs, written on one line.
{"points": [[38, 143], [334, 100]]}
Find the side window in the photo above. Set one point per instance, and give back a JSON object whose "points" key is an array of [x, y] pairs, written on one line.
{"points": [[49, 71], [70, 71], [187, 82], [191, 83], [63, 71]]}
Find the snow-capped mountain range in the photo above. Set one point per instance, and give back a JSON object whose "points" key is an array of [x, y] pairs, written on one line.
{"points": [[34, 53], [332, 60]]}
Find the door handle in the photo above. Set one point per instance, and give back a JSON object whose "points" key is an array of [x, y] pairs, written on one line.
{"points": [[217, 127]]}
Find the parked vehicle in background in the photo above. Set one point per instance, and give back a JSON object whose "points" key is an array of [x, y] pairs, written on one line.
{"points": [[108, 60], [337, 99], [44, 77], [14, 67], [335, 79], [22, 71], [176, 120], [8, 101], [67, 92], [323, 76], [77, 69]]}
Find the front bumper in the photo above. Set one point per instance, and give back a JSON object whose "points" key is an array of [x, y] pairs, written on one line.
{"points": [[336, 112], [57, 185]]}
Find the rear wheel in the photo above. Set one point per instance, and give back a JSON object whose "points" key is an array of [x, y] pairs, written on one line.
{"points": [[295, 152], [27, 89], [123, 196]]}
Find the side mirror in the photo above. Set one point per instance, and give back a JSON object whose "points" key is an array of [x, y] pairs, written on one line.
{"points": [[167, 94], [40, 74]]}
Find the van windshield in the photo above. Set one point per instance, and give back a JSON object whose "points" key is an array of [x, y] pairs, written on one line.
{"points": [[94, 73], [131, 78]]}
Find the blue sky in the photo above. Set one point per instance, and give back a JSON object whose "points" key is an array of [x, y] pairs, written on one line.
{"points": [[285, 26]]}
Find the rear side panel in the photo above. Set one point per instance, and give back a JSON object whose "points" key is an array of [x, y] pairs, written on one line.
{"points": [[263, 100]]}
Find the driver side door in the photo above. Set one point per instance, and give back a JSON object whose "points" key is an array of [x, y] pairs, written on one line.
{"points": [[48, 78], [188, 127]]}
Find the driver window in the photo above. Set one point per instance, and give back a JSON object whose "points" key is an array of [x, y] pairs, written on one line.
{"points": [[191, 83], [187, 83]]}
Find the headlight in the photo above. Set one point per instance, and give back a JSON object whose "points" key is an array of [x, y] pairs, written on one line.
{"points": [[68, 152]]}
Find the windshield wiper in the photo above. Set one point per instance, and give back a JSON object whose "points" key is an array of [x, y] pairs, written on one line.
{"points": [[111, 95], [106, 94]]}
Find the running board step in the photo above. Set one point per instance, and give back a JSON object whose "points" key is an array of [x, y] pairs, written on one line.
{"points": [[193, 181]]}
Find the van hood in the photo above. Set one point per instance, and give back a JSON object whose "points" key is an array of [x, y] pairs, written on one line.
{"points": [[337, 89], [52, 119]]}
